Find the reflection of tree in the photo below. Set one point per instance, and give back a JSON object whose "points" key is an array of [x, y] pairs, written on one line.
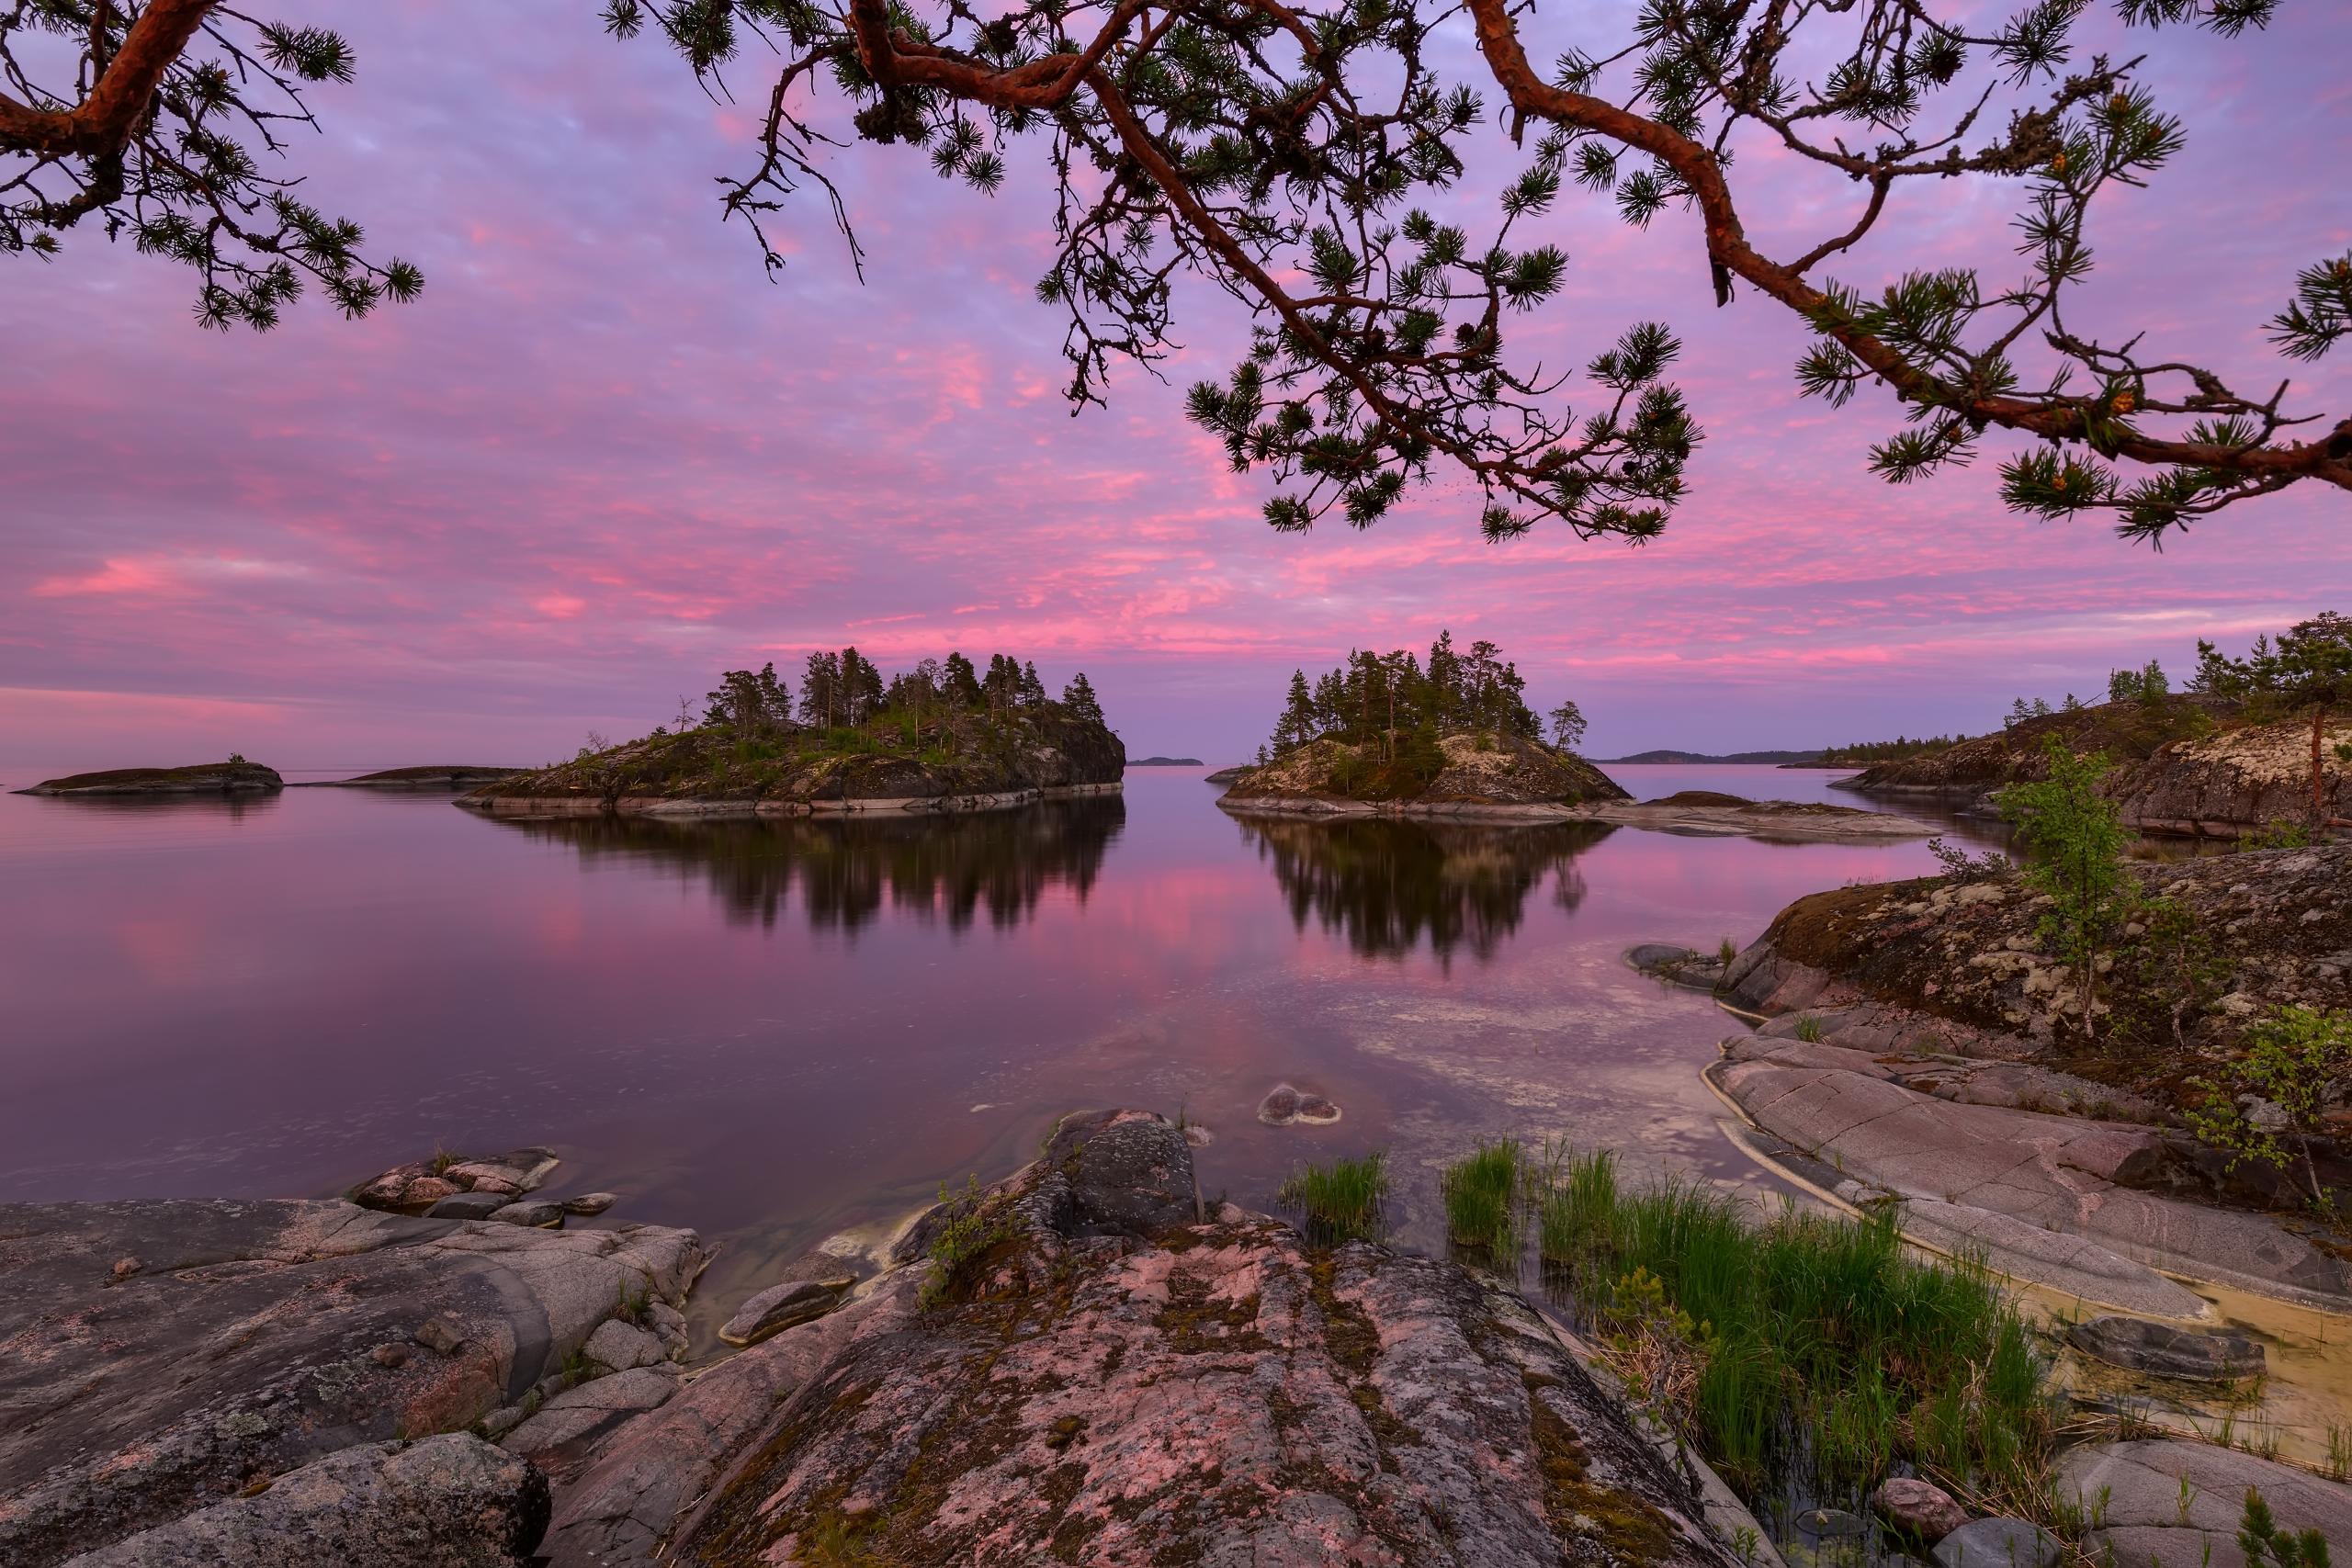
{"points": [[961, 863], [1387, 883]]}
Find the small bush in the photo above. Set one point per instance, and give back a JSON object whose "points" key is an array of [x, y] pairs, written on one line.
{"points": [[1481, 1195], [1342, 1200], [2291, 1057], [1809, 1030], [962, 1242]]}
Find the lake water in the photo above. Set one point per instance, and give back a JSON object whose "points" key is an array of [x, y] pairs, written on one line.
{"points": [[773, 1031]]}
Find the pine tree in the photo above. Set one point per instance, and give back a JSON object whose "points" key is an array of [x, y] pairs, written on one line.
{"points": [[752, 704], [820, 693], [1033, 691], [962, 685], [1078, 699]]}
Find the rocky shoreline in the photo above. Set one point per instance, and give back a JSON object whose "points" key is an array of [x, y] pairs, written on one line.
{"points": [[1080, 1362], [1694, 813], [1913, 1051], [690, 809], [2214, 786]]}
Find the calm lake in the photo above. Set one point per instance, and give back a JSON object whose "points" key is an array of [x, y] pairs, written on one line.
{"points": [[774, 1032]]}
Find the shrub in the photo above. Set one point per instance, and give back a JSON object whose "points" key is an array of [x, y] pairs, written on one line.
{"points": [[2291, 1056], [2077, 842]]}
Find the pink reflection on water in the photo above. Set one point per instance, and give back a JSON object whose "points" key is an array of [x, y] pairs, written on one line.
{"points": [[768, 1038]]}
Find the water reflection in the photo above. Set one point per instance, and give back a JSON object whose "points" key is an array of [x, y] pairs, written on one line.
{"points": [[999, 861], [1386, 885]]}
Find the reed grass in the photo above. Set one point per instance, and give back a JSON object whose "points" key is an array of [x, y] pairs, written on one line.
{"points": [[1481, 1194], [1343, 1200], [1817, 1341]]}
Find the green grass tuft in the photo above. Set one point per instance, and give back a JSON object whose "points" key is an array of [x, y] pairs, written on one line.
{"points": [[1341, 1202], [1798, 1339], [1481, 1195]]}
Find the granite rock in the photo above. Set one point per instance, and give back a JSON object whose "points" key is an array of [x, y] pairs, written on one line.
{"points": [[1998, 1543], [2171, 1504], [248, 1346], [1918, 1507], [445, 1502]]}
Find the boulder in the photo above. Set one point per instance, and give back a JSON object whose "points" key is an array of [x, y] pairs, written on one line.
{"points": [[2167, 1352], [445, 1502], [618, 1346], [1998, 1543], [529, 1215], [470, 1205], [590, 1204], [261, 1335], [1917, 1508], [2178, 1504], [778, 1307]]}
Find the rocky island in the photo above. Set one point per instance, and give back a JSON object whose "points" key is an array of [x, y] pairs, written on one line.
{"points": [[235, 776], [939, 738], [1382, 734]]}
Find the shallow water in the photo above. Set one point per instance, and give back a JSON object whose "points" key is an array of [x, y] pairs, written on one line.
{"points": [[771, 1032]]}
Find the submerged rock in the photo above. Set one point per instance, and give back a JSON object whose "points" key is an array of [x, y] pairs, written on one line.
{"points": [[1286, 1105], [590, 1204], [445, 1502], [1114, 1381], [2166, 1351]]}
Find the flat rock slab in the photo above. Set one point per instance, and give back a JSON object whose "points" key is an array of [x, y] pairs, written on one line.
{"points": [[446, 1502], [2056, 1173], [1998, 1543], [2167, 1504], [246, 1338], [2166, 1351]]}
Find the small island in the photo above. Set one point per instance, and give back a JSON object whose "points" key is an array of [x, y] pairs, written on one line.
{"points": [[235, 776], [1386, 734], [940, 736], [1169, 762]]}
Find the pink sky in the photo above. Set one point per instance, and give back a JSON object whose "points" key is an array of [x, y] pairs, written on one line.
{"points": [[603, 458]]}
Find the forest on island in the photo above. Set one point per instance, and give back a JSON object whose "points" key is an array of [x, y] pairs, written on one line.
{"points": [[1397, 702]]}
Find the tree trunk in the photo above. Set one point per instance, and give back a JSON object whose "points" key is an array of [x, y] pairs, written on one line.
{"points": [[2319, 812]]}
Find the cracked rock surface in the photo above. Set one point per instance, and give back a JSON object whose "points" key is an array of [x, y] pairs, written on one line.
{"points": [[1114, 1379], [159, 1357]]}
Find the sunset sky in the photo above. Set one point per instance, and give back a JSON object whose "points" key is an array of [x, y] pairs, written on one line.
{"points": [[603, 457]]}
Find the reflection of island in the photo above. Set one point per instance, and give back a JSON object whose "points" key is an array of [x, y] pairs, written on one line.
{"points": [[999, 861], [1389, 883]]}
